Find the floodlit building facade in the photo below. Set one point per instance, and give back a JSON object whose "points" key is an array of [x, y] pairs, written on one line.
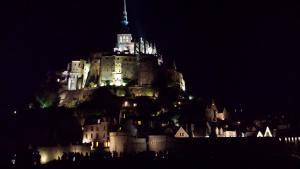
{"points": [[96, 134], [132, 60]]}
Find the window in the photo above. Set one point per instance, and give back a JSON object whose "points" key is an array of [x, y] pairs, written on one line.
{"points": [[91, 135], [97, 135], [92, 128], [139, 122], [86, 136]]}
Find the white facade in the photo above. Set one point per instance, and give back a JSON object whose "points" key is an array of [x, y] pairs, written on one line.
{"points": [[124, 44], [78, 72], [97, 134]]}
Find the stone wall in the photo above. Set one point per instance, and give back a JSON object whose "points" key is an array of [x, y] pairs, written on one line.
{"points": [[118, 142], [55, 152], [122, 143], [157, 143], [147, 71], [71, 99]]}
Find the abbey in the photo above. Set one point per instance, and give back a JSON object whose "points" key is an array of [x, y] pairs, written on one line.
{"points": [[133, 62]]}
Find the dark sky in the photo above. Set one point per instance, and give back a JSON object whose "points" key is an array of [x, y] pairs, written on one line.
{"points": [[239, 52]]}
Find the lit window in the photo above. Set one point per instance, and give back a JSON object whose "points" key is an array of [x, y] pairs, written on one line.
{"points": [[106, 144]]}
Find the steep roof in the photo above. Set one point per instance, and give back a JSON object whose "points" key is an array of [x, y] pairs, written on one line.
{"points": [[181, 133]]}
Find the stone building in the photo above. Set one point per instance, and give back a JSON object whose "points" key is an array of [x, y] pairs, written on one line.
{"points": [[133, 62], [96, 134], [121, 142]]}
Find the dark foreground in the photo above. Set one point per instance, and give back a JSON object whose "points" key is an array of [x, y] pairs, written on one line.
{"points": [[212, 154]]}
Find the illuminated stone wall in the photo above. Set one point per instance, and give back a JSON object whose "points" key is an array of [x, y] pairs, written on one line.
{"points": [[129, 67], [118, 142], [94, 73], [175, 78], [54, 153], [136, 145], [115, 68], [86, 71], [106, 68], [143, 91], [119, 70], [78, 72], [157, 143], [71, 99]]}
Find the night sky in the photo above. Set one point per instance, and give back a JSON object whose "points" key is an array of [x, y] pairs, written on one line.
{"points": [[239, 52]]}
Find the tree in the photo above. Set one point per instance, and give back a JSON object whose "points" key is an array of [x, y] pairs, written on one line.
{"points": [[47, 96]]}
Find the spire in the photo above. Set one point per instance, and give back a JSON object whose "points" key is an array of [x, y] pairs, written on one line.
{"points": [[125, 20]]}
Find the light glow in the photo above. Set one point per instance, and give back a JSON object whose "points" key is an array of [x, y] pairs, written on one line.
{"points": [[44, 158], [102, 84], [118, 83], [106, 144], [139, 122]]}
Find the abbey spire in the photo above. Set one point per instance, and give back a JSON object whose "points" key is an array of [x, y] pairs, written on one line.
{"points": [[125, 18], [125, 42]]}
